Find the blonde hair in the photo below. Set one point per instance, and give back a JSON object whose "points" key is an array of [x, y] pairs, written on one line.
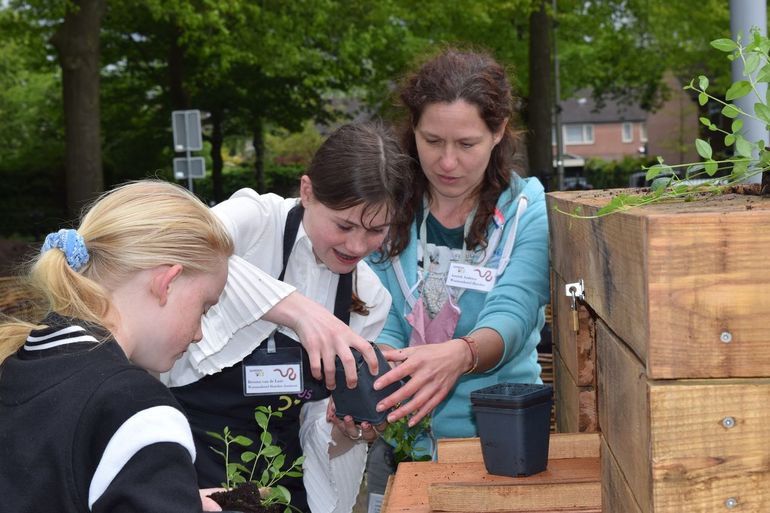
{"points": [[134, 227]]}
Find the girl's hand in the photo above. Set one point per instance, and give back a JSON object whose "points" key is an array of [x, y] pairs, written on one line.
{"points": [[324, 337], [365, 431], [433, 370]]}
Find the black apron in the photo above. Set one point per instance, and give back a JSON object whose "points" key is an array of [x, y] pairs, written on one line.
{"points": [[218, 400]]}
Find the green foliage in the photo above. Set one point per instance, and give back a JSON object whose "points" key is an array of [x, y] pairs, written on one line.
{"points": [[281, 180], [268, 456], [297, 148], [609, 174], [712, 176], [620, 49], [404, 439]]}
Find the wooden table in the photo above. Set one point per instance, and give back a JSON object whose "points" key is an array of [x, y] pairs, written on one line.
{"points": [[458, 481]]}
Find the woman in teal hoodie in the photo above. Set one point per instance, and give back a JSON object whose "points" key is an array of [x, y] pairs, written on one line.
{"points": [[470, 289]]}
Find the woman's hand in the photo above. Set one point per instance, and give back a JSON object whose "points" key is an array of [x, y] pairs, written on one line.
{"points": [[433, 370], [208, 503], [324, 337]]}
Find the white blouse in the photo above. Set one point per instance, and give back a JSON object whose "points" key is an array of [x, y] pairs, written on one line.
{"points": [[232, 328]]}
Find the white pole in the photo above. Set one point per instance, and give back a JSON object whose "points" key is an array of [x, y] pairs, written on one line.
{"points": [[744, 15]]}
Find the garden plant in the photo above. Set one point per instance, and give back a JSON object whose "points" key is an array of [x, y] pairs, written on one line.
{"points": [[250, 490], [713, 176]]}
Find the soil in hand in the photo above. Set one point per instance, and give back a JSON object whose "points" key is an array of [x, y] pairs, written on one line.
{"points": [[245, 499]]}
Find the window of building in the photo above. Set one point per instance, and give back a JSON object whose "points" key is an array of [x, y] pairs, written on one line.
{"points": [[643, 132], [578, 134], [628, 132]]}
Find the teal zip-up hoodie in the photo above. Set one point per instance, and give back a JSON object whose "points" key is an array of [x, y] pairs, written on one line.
{"points": [[514, 307]]}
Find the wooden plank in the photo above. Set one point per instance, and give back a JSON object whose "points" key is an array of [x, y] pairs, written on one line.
{"points": [[705, 282], [609, 255], [624, 412], [576, 409], [576, 348], [409, 492], [698, 462], [560, 446], [670, 279], [616, 494], [521, 494]]}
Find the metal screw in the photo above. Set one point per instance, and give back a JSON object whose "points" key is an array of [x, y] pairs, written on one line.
{"points": [[731, 503], [726, 337], [728, 422]]}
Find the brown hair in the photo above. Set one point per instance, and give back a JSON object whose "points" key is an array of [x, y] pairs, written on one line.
{"points": [[362, 163], [476, 78]]}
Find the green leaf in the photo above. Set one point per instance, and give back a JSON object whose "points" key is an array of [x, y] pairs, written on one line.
{"points": [[261, 419], [703, 82], [711, 167], [215, 435], [272, 450], [737, 125], [704, 121], [703, 99], [693, 171], [660, 183], [764, 74], [743, 147], [278, 462], [762, 111], [657, 170], [752, 63], [730, 111], [248, 456], [724, 45], [243, 440], [738, 90], [729, 139], [739, 169], [266, 438], [283, 493], [703, 148]]}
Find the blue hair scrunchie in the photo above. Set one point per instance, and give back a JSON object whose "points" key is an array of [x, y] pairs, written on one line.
{"points": [[71, 243]]}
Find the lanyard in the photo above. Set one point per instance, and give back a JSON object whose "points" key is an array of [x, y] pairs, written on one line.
{"points": [[424, 235]]}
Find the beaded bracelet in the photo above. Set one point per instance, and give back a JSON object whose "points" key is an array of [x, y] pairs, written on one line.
{"points": [[474, 348]]}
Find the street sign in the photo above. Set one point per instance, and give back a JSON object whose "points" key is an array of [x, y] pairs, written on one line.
{"points": [[190, 167], [186, 125]]}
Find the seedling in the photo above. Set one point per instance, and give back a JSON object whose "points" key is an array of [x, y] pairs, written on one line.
{"points": [[272, 457]]}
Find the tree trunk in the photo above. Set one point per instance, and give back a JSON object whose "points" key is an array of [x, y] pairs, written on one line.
{"points": [[77, 42], [217, 138], [259, 154], [539, 148]]}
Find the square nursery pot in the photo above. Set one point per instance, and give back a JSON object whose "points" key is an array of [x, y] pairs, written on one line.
{"points": [[361, 402], [514, 424]]}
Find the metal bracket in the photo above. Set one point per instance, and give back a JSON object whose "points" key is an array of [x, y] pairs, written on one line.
{"points": [[575, 289]]}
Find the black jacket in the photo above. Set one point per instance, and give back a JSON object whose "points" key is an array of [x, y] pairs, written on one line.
{"points": [[82, 429]]}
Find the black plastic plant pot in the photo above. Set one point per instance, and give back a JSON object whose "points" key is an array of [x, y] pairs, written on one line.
{"points": [[514, 423], [361, 402]]}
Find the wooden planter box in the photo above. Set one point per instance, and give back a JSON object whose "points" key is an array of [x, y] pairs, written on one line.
{"points": [[678, 297]]}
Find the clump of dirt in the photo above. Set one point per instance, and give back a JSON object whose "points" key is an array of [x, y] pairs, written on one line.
{"points": [[244, 499]]}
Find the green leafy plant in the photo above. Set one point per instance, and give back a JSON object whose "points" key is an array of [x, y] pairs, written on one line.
{"points": [[272, 457], [712, 175], [404, 440]]}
